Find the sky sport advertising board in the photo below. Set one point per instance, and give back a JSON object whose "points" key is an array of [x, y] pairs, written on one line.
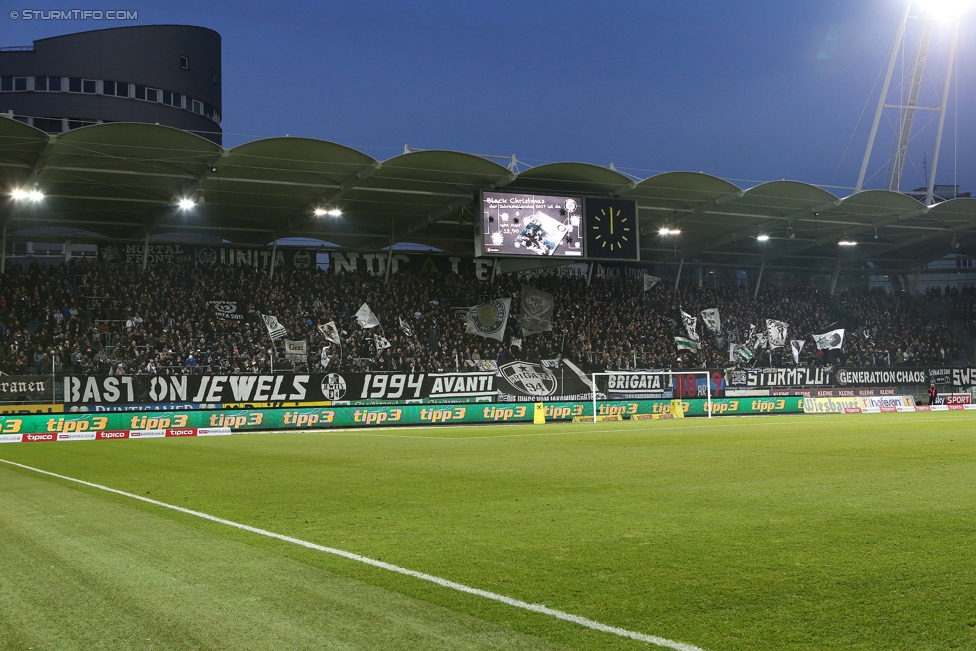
{"points": [[531, 225]]}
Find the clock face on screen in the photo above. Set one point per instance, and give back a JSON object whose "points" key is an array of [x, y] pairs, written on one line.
{"points": [[611, 229]]}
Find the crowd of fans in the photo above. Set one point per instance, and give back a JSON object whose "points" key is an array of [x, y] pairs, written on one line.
{"points": [[87, 318]]}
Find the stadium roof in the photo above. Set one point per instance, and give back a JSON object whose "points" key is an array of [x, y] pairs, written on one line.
{"points": [[123, 181]]}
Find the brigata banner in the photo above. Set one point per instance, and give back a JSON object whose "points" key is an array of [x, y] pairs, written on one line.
{"points": [[112, 423], [652, 385], [514, 382], [26, 388]]}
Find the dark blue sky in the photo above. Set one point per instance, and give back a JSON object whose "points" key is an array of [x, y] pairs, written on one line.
{"points": [[748, 91]]}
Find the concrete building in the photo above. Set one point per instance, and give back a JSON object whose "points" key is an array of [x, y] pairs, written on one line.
{"points": [[160, 74]]}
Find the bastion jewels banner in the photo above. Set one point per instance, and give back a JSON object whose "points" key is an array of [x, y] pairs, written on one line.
{"points": [[514, 382]]}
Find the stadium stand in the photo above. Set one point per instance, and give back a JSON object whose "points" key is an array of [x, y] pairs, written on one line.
{"points": [[97, 318]]}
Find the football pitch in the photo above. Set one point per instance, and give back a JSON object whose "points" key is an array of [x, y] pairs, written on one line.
{"points": [[775, 532]]}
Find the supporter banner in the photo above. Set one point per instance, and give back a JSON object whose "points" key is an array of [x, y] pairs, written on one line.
{"points": [[941, 375], [26, 388], [661, 385], [226, 310], [161, 424], [779, 377], [963, 377], [132, 253], [847, 377], [200, 391]]}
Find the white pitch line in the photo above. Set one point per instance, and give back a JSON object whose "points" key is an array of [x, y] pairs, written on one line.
{"points": [[460, 587]]}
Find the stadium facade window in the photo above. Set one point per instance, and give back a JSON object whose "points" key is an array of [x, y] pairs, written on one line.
{"points": [[20, 83], [215, 78], [152, 95], [6, 84], [54, 84], [40, 83], [50, 125], [74, 85], [77, 124], [167, 97], [197, 107], [140, 92], [184, 63], [89, 86], [121, 89], [177, 100], [108, 87]]}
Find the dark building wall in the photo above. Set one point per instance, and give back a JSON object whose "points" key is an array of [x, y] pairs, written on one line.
{"points": [[143, 55]]}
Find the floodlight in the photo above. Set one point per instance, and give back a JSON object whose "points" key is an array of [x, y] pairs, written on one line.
{"points": [[762, 238], [186, 203], [319, 212], [19, 195], [846, 243], [35, 195], [669, 231], [335, 212], [945, 9]]}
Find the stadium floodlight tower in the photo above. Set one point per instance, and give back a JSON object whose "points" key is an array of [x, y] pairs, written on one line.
{"points": [[930, 12]]}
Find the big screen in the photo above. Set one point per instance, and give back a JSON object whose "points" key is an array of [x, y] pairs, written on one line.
{"points": [[532, 224]]}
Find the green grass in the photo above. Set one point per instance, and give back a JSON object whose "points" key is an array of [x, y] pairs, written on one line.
{"points": [[802, 532]]}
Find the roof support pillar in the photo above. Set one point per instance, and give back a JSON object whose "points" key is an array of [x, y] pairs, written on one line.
{"points": [[389, 257], [67, 250], [701, 276], [918, 276], [274, 256], [3, 251], [589, 272], [677, 278], [835, 277], [145, 253], [762, 268]]}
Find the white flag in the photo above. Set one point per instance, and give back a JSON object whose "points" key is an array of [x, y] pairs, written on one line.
{"points": [[489, 319], [776, 333], [275, 329], [650, 281], [366, 318], [381, 342], [324, 357], [331, 332], [407, 330], [833, 340], [516, 342], [796, 346], [691, 325], [712, 320]]}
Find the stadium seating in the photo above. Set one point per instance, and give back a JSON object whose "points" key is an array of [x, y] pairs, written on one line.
{"points": [[95, 319]]}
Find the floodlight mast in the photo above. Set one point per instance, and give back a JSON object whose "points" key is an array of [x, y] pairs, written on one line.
{"points": [[935, 10]]}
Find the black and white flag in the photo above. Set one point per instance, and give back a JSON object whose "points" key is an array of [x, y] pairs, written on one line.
{"points": [[275, 329], [517, 342], [796, 346], [489, 319], [226, 310], [691, 325], [650, 281], [833, 340], [712, 320], [536, 310], [739, 353], [407, 330], [366, 318], [381, 342], [776, 333], [331, 332], [687, 344], [324, 357]]}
